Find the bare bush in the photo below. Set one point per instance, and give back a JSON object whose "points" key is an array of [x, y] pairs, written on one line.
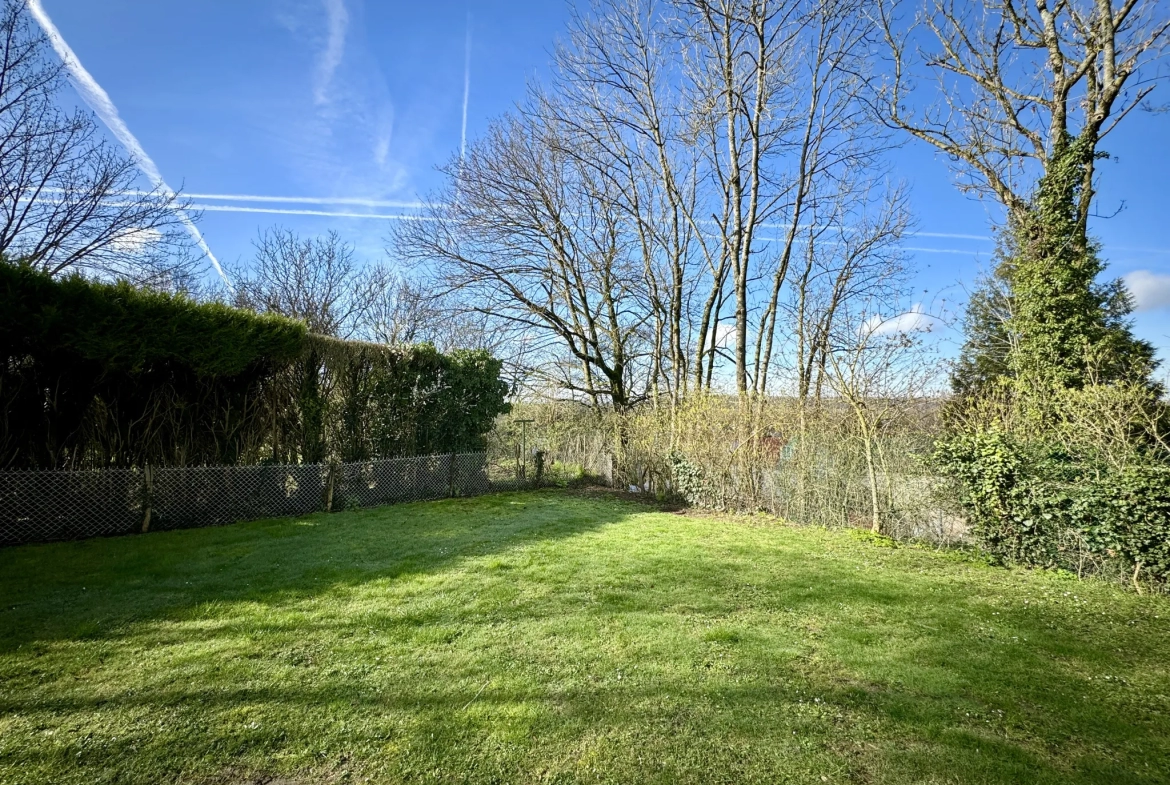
{"points": [[314, 279]]}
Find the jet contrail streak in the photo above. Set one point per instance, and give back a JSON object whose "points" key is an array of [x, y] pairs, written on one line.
{"points": [[949, 236], [99, 101], [941, 250], [354, 201], [232, 208], [345, 200], [466, 90]]}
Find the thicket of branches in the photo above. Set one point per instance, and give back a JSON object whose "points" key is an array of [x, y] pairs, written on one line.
{"points": [[684, 207]]}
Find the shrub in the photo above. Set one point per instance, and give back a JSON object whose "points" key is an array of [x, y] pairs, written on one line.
{"points": [[1127, 512], [1032, 503]]}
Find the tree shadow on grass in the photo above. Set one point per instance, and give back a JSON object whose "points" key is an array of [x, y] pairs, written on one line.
{"points": [[646, 655], [787, 721], [91, 588]]}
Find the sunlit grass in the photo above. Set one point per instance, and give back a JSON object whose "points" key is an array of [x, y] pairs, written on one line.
{"points": [[560, 638]]}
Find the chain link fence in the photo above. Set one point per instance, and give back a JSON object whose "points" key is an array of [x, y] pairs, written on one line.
{"points": [[42, 506]]}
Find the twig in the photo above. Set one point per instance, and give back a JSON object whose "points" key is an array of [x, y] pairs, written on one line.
{"points": [[481, 689]]}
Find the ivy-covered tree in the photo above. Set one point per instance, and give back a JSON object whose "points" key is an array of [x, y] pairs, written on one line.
{"points": [[1043, 318], [1056, 397], [1021, 95]]}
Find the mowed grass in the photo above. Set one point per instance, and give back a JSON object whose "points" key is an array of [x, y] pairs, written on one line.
{"points": [[548, 637]]}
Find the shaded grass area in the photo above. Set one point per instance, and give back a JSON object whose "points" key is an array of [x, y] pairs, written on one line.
{"points": [[547, 637]]}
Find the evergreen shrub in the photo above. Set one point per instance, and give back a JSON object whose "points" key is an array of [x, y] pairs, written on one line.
{"points": [[96, 374], [1034, 504]]}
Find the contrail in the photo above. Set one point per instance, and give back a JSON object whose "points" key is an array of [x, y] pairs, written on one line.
{"points": [[345, 200], [950, 236], [235, 208], [337, 18], [944, 235], [1130, 249], [353, 201], [466, 90], [941, 250], [99, 101]]}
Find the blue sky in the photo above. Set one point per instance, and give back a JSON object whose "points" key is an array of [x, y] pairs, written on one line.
{"points": [[360, 100]]}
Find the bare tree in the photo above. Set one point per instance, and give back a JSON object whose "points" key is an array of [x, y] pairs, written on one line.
{"points": [[315, 279], [1019, 83], [837, 269], [621, 83], [69, 200], [637, 220], [838, 201], [403, 312], [527, 234], [408, 311], [740, 58], [726, 125], [876, 366], [694, 132]]}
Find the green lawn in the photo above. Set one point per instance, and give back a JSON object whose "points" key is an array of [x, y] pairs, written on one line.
{"points": [[548, 637]]}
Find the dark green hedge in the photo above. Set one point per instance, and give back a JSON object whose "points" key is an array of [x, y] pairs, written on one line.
{"points": [[127, 330], [370, 400], [103, 374]]}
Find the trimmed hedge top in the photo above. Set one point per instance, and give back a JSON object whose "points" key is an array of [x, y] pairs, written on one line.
{"points": [[125, 329], [103, 374]]}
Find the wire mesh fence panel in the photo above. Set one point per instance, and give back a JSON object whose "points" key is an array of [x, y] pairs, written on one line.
{"points": [[39, 506], [469, 475], [372, 483], [503, 472], [193, 496]]}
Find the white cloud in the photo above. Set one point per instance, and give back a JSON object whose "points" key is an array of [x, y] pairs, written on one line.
{"points": [[135, 240], [916, 320], [347, 113], [336, 23], [1151, 291], [724, 336], [99, 101], [382, 148]]}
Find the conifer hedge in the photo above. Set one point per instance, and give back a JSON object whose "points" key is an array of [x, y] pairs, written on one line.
{"points": [[104, 374]]}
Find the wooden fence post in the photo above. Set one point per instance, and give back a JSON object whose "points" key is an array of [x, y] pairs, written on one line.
{"points": [[147, 496], [329, 487]]}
